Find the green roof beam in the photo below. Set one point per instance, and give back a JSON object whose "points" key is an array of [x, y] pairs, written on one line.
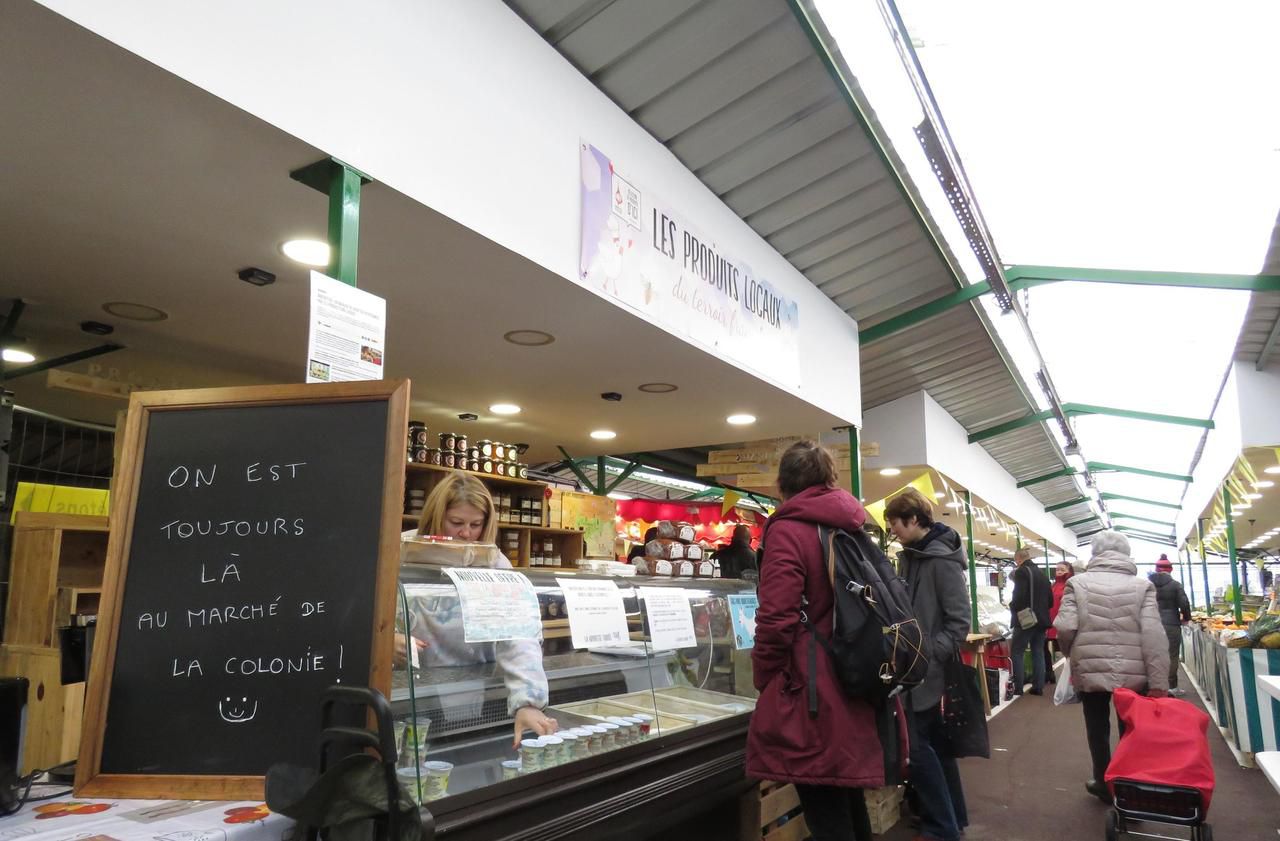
{"points": [[1079, 522], [1172, 505], [1009, 426], [1119, 516], [1186, 280], [1179, 420], [1104, 467], [924, 312], [1057, 474], [1070, 502]]}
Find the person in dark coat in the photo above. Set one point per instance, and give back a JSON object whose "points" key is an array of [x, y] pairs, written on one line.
{"points": [[1175, 611], [738, 557], [637, 551], [1031, 588], [934, 567], [833, 754]]}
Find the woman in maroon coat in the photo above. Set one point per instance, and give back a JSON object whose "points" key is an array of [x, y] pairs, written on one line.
{"points": [[830, 756]]}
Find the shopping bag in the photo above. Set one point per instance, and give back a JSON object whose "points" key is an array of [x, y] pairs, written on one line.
{"points": [[964, 719], [1165, 743], [1066, 691]]}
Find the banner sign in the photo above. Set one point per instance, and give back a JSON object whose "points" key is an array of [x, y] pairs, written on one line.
{"points": [[639, 251]]}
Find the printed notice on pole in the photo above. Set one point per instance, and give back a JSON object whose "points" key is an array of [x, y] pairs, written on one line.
{"points": [[497, 604], [347, 331], [670, 617], [596, 614]]}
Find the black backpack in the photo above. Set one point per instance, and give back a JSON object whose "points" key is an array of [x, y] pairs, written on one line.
{"points": [[877, 646]]}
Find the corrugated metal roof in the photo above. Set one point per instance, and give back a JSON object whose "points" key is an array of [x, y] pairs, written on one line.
{"points": [[1263, 318], [737, 92]]}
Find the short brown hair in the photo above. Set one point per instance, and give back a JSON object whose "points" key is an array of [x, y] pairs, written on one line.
{"points": [[908, 504], [805, 465]]}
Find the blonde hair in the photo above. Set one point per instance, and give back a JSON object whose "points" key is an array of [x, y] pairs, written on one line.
{"points": [[454, 490]]}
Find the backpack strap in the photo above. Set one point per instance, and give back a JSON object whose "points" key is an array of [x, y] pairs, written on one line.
{"points": [[826, 545]]}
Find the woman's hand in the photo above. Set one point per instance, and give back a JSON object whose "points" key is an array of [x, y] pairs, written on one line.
{"points": [[400, 655], [531, 718]]}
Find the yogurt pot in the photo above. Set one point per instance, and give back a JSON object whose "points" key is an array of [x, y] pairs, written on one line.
{"points": [[645, 723], [633, 725], [510, 769], [596, 740], [435, 780], [531, 755], [623, 734], [413, 780], [570, 744], [554, 748], [610, 735]]}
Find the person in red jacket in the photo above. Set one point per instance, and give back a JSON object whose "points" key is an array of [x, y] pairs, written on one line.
{"points": [[833, 754], [1061, 573]]}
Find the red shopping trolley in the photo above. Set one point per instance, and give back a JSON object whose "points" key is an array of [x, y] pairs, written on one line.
{"points": [[1161, 773]]}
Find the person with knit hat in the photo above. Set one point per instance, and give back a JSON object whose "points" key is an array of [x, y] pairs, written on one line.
{"points": [[1175, 611]]}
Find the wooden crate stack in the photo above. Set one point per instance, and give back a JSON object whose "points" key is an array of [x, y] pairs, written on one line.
{"points": [[771, 812], [754, 465]]}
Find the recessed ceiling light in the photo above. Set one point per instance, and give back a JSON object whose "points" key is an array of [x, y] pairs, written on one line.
{"points": [[505, 409], [658, 388], [890, 471], [1253, 496], [604, 434], [1243, 505], [953, 505], [13, 354], [134, 312], [1264, 483], [741, 420], [308, 252], [528, 338], [1273, 470]]}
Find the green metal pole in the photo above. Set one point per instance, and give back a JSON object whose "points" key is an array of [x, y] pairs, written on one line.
{"points": [[1231, 556], [1204, 565], [344, 223], [855, 463], [1047, 569], [1191, 586], [601, 480], [973, 563]]}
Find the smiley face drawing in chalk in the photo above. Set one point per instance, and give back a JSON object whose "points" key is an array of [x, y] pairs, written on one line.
{"points": [[237, 712]]}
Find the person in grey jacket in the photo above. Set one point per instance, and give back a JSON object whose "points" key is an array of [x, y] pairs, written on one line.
{"points": [[1109, 626], [934, 567]]}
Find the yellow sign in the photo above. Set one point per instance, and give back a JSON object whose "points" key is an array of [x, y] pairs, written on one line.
{"points": [[60, 499], [731, 498], [922, 483]]}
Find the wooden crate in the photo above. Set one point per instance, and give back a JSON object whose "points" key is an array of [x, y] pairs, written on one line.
{"points": [[54, 711], [771, 812], [884, 806]]}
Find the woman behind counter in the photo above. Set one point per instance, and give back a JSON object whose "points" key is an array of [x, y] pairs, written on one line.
{"points": [[461, 508]]}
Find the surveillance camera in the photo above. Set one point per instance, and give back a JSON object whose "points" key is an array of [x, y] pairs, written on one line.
{"points": [[611, 396], [468, 416], [97, 328], [256, 276]]}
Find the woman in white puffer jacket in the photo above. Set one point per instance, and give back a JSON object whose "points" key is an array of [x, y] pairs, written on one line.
{"points": [[1110, 628]]}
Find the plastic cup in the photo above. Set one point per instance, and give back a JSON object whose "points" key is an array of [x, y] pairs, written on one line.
{"points": [[646, 724], [510, 769], [610, 735], [412, 779], [571, 745], [416, 739], [555, 751], [435, 780]]}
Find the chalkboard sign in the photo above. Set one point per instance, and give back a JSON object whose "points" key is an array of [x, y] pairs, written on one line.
{"points": [[251, 564]]}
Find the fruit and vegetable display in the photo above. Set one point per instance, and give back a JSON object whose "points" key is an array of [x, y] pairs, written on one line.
{"points": [[1257, 628]]}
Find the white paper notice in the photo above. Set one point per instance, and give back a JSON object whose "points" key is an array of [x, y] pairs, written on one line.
{"points": [[347, 332], [497, 604], [670, 617], [596, 614]]}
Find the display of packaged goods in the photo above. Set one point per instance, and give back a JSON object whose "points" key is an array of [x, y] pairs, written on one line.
{"points": [[704, 569], [666, 530], [663, 567], [658, 548], [693, 552], [675, 551], [641, 566], [684, 569], [602, 709], [685, 532]]}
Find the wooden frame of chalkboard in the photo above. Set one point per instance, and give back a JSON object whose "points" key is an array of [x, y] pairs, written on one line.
{"points": [[156, 420]]}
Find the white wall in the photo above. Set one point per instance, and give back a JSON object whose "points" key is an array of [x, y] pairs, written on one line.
{"points": [[463, 107], [1221, 449], [916, 430], [1259, 405], [898, 427], [950, 452]]}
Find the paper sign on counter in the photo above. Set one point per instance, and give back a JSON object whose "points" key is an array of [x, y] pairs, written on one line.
{"points": [[670, 617], [497, 604], [596, 614], [742, 610], [348, 329]]}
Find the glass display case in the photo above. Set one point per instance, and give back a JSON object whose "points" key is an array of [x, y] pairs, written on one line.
{"points": [[456, 703]]}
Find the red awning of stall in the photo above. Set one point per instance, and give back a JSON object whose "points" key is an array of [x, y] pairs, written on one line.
{"points": [[698, 513]]}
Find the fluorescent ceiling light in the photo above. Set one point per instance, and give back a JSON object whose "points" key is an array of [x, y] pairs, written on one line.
{"points": [[890, 471], [13, 354], [1264, 483], [308, 252], [603, 434], [1253, 496], [617, 495], [741, 420], [1274, 470], [505, 409]]}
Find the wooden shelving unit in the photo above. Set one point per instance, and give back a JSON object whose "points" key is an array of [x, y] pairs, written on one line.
{"points": [[567, 542]]}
